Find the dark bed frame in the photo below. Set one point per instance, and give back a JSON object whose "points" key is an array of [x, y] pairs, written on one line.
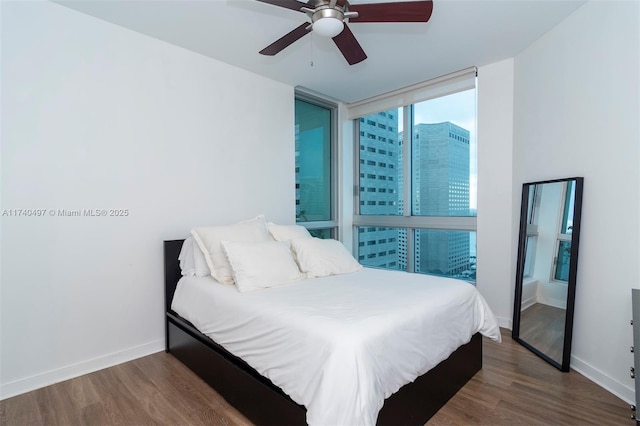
{"points": [[264, 403]]}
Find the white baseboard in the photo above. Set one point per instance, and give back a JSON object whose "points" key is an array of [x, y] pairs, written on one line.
{"points": [[527, 303], [504, 322], [17, 387], [626, 393], [556, 303]]}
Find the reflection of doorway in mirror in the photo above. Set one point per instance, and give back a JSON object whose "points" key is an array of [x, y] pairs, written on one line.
{"points": [[542, 326]]}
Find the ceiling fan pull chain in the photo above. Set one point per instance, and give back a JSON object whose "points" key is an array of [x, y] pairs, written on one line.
{"points": [[311, 61]]}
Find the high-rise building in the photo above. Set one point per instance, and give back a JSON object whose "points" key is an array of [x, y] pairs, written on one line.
{"points": [[379, 193], [440, 173]]}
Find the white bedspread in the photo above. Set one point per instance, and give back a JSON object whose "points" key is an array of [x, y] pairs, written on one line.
{"points": [[340, 345]]}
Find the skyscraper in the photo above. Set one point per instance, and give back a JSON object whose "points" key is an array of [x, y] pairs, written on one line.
{"points": [[379, 193], [440, 173]]}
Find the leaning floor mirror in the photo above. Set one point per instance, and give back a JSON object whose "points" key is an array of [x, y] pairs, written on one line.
{"points": [[546, 268]]}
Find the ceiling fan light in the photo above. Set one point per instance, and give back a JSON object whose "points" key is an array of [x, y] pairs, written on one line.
{"points": [[328, 26]]}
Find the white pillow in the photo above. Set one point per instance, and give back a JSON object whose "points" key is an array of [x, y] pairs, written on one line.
{"points": [[192, 261], [208, 239], [287, 232], [187, 263], [319, 258], [259, 265]]}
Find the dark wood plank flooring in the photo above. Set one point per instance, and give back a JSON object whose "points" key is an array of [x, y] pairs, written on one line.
{"points": [[514, 388]]}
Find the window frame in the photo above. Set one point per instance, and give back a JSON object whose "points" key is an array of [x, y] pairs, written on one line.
{"points": [[561, 237], [332, 224]]}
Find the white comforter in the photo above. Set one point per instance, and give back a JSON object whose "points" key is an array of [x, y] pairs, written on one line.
{"points": [[340, 345]]}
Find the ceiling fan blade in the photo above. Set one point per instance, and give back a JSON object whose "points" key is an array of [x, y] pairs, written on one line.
{"points": [[288, 4], [349, 46], [404, 11], [286, 40]]}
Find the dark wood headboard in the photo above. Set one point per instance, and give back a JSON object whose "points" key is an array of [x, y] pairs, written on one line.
{"points": [[172, 271]]}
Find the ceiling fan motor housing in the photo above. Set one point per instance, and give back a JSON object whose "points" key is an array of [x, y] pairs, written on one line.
{"points": [[327, 18], [327, 12]]}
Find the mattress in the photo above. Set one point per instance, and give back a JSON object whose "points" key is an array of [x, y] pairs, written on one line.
{"points": [[340, 345]]}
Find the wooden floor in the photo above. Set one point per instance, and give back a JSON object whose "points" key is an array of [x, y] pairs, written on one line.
{"points": [[542, 326], [514, 387]]}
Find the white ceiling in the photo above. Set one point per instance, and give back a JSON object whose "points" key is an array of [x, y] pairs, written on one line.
{"points": [[460, 33]]}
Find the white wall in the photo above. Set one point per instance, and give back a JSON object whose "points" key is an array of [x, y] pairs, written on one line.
{"points": [[576, 113], [497, 226], [98, 117]]}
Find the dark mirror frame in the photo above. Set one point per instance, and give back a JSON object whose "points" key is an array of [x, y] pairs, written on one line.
{"points": [[573, 268]]}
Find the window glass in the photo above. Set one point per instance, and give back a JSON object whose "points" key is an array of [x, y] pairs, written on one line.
{"points": [[323, 233], [562, 261], [446, 253], [313, 134], [381, 164], [416, 171], [443, 167], [563, 257], [382, 247], [434, 252]]}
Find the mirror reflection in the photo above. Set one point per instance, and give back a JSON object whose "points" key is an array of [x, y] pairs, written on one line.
{"points": [[547, 263]]}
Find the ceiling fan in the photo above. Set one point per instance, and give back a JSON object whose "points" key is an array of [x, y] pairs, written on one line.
{"points": [[329, 19]]}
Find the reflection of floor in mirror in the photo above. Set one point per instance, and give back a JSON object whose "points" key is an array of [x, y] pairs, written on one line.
{"points": [[542, 326]]}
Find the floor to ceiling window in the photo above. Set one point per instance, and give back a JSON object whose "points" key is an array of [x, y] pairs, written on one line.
{"points": [[315, 144], [416, 174]]}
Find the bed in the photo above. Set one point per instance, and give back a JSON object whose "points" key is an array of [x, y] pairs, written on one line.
{"points": [[263, 402]]}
